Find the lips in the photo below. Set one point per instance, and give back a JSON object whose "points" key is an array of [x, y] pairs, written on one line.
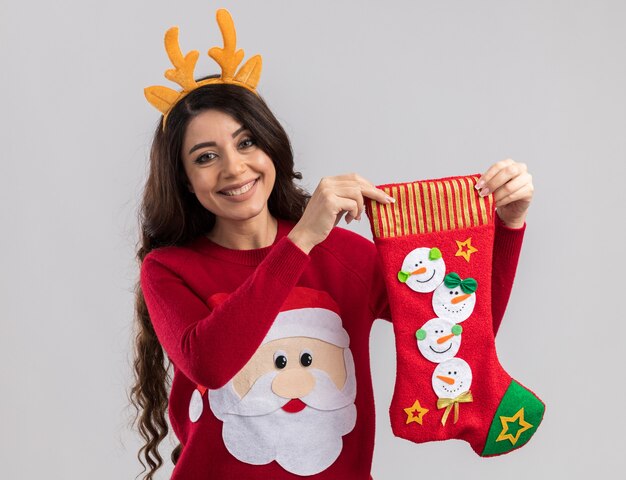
{"points": [[238, 189], [294, 405]]}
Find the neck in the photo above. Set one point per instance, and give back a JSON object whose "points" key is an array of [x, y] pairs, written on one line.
{"points": [[253, 233]]}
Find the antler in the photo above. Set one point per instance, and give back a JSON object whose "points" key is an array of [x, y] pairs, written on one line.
{"points": [[227, 57], [185, 66]]}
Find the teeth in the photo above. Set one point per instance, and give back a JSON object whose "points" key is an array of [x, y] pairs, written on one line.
{"points": [[239, 191]]}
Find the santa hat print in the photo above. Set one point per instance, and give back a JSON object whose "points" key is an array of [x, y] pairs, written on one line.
{"points": [[306, 312], [309, 313]]}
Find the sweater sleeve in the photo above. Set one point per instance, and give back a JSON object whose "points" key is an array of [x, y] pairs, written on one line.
{"points": [[379, 299], [211, 346], [506, 250]]}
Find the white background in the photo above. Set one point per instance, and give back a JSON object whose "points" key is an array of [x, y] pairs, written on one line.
{"points": [[396, 91]]}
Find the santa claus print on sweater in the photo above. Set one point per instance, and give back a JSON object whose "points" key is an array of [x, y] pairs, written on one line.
{"points": [[293, 401]]}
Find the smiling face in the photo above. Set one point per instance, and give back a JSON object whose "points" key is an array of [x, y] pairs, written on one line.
{"points": [[452, 378], [439, 340], [453, 303], [423, 269], [229, 174]]}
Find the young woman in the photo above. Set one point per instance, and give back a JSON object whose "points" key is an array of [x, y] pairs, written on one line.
{"points": [[230, 248]]}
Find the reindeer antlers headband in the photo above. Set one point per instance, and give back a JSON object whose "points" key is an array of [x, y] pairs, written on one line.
{"points": [[228, 58]]}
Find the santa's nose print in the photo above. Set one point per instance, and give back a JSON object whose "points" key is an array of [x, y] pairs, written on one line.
{"points": [[422, 269], [455, 298], [293, 381]]}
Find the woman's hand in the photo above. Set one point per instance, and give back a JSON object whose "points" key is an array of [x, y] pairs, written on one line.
{"points": [[333, 197], [512, 188]]}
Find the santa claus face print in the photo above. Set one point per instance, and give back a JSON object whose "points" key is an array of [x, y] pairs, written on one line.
{"points": [[292, 403], [439, 339], [452, 378], [423, 269], [455, 299]]}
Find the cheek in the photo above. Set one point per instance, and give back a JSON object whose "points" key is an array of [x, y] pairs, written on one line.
{"points": [[261, 363], [201, 181], [270, 174]]}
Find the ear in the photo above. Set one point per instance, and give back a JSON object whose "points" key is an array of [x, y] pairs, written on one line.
{"points": [[434, 254], [190, 187]]}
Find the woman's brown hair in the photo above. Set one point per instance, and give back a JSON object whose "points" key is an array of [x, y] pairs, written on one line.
{"points": [[169, 214]]}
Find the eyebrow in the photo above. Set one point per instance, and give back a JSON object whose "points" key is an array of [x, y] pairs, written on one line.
{"points": [[213, 144]]}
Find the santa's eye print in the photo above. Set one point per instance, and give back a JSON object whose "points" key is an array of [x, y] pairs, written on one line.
{"points": [[280, 359], [306, 359]]}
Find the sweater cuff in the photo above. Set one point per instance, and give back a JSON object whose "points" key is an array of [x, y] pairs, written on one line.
{"points": [[508, 238]]}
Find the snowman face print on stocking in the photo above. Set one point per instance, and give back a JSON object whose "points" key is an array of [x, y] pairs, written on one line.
{"points": [[423, 269], [439, 339], [455, 298], [451, 378], [451, 381]]}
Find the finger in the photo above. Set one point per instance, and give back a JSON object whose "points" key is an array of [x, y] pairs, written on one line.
{"points": [[525, 193], [492, 171], [502, 176], [347, 205], [377, 194], [352, 192], [368, 189], [513, 185], [357, 191]]}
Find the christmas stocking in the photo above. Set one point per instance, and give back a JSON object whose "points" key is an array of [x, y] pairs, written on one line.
{"points": [[436, 246]]}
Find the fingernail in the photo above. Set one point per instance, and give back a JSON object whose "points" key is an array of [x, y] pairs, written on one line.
{"points": [[484, 192], [391, 199], [479, 184]]}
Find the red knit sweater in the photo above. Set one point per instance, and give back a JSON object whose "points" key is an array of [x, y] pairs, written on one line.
{"points": [[208, 347]]}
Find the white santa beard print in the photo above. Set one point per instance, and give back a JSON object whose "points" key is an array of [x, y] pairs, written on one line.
{"points": [[225, 400], [303, 443]]}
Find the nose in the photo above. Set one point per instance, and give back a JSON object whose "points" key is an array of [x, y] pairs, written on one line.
{"points": [[441, 340], [293, 383], [233, 164], [448, 380], [418, 271], [460, 298]]}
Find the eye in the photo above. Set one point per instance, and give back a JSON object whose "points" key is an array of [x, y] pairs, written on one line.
{"points": [[247, 142], [280, 359], [306, 359], [205, 158]]}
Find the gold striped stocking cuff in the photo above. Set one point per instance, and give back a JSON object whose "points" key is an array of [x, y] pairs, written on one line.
{"points": [[430, 206]]}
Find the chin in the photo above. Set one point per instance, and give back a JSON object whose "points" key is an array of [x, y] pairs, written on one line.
{"points": [[241, 213]]}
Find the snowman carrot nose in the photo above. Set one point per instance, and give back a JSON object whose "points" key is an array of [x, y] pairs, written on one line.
{"points": [[418, 271], [441, 340], [448, 380], [460, 298]]}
